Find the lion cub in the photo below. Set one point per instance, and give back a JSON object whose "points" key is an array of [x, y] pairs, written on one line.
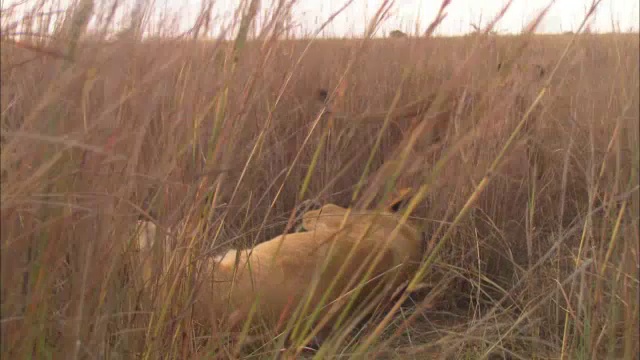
{"points": [[340, 252]]}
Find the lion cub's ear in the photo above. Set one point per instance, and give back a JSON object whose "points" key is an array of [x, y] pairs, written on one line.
{"points": [[400, 200], [303, 208], [328, 217]]}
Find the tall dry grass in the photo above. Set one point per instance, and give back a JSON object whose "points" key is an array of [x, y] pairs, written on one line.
{"points": [[527, 181]]}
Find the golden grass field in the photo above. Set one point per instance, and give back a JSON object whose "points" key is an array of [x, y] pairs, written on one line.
{"points": [[526, 181]]}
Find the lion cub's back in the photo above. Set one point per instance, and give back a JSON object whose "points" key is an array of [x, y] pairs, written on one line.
{"points": [[280, 271], [379, 226]]}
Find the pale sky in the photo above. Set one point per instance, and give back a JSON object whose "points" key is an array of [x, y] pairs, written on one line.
{"points": [[565, 15]]}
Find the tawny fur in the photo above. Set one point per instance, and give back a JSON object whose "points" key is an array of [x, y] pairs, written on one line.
{"points": [[281, 272]]}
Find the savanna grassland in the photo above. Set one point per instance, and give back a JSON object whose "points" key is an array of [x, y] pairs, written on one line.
{"points": [[523, 153]]}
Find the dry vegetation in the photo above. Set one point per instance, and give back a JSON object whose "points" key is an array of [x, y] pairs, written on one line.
{"points": [[532, 216]]}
